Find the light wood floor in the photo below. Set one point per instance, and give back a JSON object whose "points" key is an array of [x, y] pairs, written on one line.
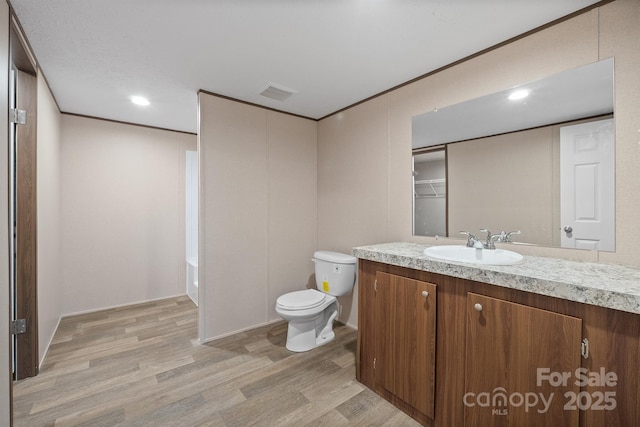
{"points": [[142, 365]]}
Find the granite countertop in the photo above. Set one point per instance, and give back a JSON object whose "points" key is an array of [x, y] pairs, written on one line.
{"points": [[611, 286]]}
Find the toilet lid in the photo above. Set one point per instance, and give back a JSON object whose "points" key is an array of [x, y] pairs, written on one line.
{"points": [[301, 300]]}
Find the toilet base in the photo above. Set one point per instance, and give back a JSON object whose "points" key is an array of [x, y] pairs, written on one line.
{"points": [[305, 335]]}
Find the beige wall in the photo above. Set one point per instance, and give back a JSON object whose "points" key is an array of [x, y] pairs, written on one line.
{"points": [[619, 35], [49, 255], [378, 132], [5, 382], [353, 184], [257, 212], [123, 208]]}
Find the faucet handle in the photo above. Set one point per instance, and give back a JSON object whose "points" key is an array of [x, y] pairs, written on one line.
{"points": [[506, 237], [495, 237], [471, 238]]}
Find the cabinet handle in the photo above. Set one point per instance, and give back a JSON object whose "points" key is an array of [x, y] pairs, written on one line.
{"points": [[478, 307], [425, 294]]}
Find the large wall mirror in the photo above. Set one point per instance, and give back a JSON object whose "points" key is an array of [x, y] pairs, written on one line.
{"points": [[537, 158]]}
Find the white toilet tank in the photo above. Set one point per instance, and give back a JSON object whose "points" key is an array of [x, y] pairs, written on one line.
{"points": [[335, 272]]}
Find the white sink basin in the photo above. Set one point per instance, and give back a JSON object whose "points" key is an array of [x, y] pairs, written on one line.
{"points": [[473, 256]]}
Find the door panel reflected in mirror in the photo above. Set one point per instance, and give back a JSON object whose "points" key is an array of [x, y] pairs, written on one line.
{"points": [[512, 181]]}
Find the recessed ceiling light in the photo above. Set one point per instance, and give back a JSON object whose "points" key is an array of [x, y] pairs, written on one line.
{"points": [[518, 94], [140, 100]]}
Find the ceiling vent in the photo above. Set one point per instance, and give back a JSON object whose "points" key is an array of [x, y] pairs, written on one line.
{"points": [[277, 92]]}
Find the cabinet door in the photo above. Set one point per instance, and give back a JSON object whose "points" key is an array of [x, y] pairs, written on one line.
{"points": [[509, 347], [406, 340]]}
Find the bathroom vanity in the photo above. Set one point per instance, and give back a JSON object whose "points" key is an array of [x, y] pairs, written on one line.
{"points": [[544, 342]]}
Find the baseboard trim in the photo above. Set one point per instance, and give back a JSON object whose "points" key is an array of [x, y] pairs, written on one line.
{"points": [[46, 351], [227, 334], [77, 313]]}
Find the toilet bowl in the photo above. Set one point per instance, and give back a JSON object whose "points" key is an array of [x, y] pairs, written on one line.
{"points": [[311, 312]]}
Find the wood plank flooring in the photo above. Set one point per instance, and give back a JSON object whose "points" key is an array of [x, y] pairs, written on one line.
{"points": [[142, 365]]}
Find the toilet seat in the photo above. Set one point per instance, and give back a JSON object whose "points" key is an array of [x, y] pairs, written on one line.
{"points": [[301, 300]]}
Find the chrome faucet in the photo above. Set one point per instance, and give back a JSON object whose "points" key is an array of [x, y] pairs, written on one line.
{"points": [[491, 239]]}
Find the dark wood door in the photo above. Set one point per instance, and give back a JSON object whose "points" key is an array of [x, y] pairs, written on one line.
{"points": [[406, 340], [25, 293], [515, 357]]}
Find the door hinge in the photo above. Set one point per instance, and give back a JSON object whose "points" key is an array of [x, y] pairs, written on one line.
{"points": [[17, 116], [374, 363], [584, 348], [18, 326], [375, 286]]}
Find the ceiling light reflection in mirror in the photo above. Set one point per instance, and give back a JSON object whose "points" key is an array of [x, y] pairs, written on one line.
{"points": [[140, 100]]}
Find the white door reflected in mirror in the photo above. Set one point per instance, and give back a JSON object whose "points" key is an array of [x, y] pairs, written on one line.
{"points": [[587, 186]]}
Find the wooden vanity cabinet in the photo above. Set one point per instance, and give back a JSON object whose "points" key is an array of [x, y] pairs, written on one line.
{"points": [[501, 345], [506, 344], [397, 346], [405, 347]]}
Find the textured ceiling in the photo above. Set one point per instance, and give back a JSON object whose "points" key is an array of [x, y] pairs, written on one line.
{"points": [[332, 53]]}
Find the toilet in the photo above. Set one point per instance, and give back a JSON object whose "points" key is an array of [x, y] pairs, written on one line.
{"points": [[311, 312]]}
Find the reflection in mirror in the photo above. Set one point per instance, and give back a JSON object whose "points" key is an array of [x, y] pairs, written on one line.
{"points": [[429, 193], [505, 178]]}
